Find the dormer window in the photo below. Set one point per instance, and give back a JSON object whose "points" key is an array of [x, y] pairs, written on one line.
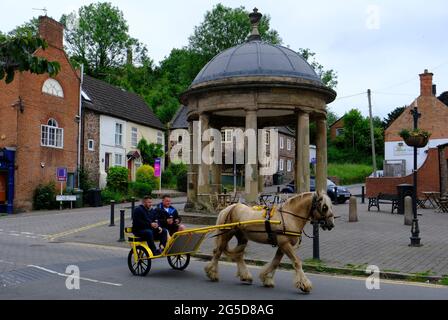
{"points": [[53, 88]]}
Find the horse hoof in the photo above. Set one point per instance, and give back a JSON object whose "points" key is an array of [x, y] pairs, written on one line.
{"points": [[269, 284]]}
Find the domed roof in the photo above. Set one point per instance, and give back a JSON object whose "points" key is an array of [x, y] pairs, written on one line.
{"points": [[257, 58]]}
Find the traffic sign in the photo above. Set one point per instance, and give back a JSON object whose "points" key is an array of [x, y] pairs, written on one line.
{"points": [[61, 174]]}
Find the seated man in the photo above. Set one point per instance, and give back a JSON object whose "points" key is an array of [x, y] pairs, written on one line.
{"points": [[169, 216], [145, 225]]}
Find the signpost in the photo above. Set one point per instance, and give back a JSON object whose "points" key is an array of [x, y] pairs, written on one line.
{"points": [[158, 171], [61, 175]]}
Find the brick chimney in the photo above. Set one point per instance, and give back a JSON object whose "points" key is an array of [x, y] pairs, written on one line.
{"points": [[426, 88], [52, 31]]}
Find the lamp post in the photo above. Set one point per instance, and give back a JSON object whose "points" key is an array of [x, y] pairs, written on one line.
{"points": [[415, 231]]}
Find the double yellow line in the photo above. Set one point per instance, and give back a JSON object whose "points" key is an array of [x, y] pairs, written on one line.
{"points": [[55, 236]]}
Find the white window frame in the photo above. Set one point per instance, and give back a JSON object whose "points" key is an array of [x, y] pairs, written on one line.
{"points": [[51, 136], [282, 143], [116, 163], [339, 132], [289, 166], [118, 135], [91, 145], [281, 165], [226, 136], [288, 144], [53, 88], [160, 138], [134, 137]]}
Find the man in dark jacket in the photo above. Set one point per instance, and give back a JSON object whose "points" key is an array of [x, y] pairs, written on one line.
{"points": [[168, 215], [145, 224]]}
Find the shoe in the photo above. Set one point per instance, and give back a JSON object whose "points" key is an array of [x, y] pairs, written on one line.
{"points": [[158, 252]]}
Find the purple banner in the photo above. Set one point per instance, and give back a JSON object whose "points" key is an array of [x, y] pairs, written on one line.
{"points": [[157, 168]]}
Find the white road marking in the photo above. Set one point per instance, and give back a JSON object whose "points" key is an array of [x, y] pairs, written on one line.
{"points": [[7, 262], [80, 278], [15, 234]]}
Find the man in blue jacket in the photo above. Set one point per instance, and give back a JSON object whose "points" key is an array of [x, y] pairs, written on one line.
{"points": [[169, 217], [145, 224]]}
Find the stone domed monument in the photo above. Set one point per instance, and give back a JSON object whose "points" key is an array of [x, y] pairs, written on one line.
{"points": [[256, 85]]}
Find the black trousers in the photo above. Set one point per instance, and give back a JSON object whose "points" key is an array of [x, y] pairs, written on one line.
{"points": [[149, 235]]}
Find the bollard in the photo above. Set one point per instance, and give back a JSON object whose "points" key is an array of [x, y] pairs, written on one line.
{"points": [[316, 253], [363, 194], [112, 213], [408, 212], [132, 207], [353, 210], [121, 226], [278, 189]]}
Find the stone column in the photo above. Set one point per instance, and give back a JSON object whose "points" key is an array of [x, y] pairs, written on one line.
{"points": [[192, 173], [251, 169], [321, 155], [302, 166], [203, 169]]}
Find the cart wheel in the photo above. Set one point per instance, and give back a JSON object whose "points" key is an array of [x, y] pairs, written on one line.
{"points": [[179, 262], [143, 265]]}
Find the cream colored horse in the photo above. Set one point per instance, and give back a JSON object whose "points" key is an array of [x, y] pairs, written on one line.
{"points": [[293, 214]]}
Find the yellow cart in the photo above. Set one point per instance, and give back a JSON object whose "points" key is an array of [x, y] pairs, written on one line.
{"points": [[178, 248]]}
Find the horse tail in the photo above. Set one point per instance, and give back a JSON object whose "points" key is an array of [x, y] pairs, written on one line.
{"points": [[224, 217]]}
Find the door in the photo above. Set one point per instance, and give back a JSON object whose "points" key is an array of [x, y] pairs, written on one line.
{"points": [[130, 165], [3, 187]]}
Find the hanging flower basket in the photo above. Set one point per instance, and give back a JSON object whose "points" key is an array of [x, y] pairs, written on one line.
{"points": [[415, 138]]}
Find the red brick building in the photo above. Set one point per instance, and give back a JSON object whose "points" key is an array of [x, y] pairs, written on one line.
{"points": [[39, 121]]}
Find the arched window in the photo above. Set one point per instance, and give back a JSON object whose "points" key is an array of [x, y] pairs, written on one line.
{"points": [[52, 87], [51, 135]]}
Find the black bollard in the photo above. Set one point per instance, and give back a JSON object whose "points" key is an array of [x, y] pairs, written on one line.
{"points": [[112, 213], [121, 226], [363, 194], [132, 207], [316, 253]]}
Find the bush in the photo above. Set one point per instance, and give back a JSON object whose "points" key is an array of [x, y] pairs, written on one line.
{"points": [[145, 175], [140, 189], [171, 173], [182, 181], [107, 195], [117, 179], [350, 173], [45, 197], [168, 179]]}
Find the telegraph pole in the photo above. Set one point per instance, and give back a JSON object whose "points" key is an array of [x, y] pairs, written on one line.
{"points": [[372, 136]]}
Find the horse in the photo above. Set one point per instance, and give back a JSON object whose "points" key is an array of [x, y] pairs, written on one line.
{"points": [[293, 215]]}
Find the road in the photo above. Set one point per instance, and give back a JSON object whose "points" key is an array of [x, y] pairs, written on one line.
{"points": [[32, 267]]}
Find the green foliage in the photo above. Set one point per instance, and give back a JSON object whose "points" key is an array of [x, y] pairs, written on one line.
{"points": [[140, 189], [224, 27], [171, 174], [182, 181], [350, 173], [329, 77], [406, 133], [392, 116], [98, 37], [145, 174], [107, 195], [117, 179], [44, 197], [17, 54], [149, 152]]}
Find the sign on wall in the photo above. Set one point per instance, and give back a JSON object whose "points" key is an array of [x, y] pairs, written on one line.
{"points": [[61, 174], [401, 149]]}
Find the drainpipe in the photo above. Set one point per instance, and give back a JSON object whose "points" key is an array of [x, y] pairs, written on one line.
{"points": [[79, 125]]}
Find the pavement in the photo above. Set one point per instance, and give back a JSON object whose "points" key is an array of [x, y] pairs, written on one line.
{"points": [[36, 247]]}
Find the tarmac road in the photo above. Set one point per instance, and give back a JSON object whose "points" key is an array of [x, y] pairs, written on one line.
{"points": [[33, 268]]}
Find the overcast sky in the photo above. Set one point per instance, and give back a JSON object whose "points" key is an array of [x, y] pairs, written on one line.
{"points": [[381, 45]]}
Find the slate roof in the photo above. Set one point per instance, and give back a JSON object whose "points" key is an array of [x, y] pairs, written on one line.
{"points": [[257, 58], [179, 120], [116, 102]]}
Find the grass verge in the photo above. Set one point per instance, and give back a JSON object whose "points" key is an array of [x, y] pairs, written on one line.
{"points": [[349, 173]]}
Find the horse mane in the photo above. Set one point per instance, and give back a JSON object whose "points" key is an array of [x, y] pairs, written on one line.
{"points": [[296, 198]]}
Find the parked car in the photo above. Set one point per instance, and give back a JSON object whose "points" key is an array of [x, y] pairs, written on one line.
{"points": [[336, 193]]}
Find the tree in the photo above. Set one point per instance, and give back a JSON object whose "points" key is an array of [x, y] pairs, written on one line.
{"points": [[225, 27], [329, 77], [444, 98], [17, 54], [28, 28], [392, 116], [149, 152], [98, 37]]}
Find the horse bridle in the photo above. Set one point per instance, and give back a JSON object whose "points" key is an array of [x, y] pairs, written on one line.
{"points": [[314, 207]]}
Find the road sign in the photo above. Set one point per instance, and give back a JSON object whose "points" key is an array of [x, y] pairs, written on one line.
{"points": [[66, 198], [61, 174], [157, 169]]}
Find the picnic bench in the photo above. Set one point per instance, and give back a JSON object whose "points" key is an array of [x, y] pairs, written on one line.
{"points": [[384, 198]]}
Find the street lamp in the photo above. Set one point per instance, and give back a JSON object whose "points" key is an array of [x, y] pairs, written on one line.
{"points": [[415, 230]]}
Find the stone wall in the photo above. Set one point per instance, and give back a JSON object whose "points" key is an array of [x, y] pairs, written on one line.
{"points": [[91, 159]]}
